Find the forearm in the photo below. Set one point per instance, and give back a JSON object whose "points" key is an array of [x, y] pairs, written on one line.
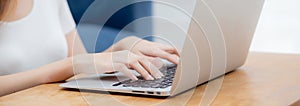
{"points": [[53, 72]]}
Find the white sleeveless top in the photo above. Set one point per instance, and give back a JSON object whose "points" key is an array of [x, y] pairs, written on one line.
{"points": [[37, 39]]}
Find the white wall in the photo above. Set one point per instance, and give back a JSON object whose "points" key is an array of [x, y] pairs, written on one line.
{"points": [[278, 29]]}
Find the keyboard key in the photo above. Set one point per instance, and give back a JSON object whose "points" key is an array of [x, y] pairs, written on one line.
{"points": [[163, 82]]}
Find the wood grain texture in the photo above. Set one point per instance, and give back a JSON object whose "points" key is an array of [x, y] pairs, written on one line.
{"points": [[265, 79]]}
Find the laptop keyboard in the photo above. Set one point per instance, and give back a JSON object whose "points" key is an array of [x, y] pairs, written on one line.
{"points": [[163, 82]]}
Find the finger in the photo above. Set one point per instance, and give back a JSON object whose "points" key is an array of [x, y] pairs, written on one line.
{"points": [[157, 62], [154, 60], [152, 69], [175, 58], [148, 57], [165, 55], [123, 68], [168, 48], [140, 69], [145, 56], [162, 54], [173, 52]]}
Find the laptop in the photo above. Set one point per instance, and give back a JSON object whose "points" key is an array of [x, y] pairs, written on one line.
{"points": [[218, 41]]}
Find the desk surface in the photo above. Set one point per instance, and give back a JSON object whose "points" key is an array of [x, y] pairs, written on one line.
{"points": [[265, 79]]}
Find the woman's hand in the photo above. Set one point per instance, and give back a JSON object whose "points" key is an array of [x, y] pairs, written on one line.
{"points": [[121, 61], [147, 49]]}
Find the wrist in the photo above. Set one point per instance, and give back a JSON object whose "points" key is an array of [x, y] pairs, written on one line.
{"points": [[84, 63], [57, 71]]}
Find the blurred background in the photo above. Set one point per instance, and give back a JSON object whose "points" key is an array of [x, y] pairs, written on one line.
{"points": [[278, 29], [100, 23]]}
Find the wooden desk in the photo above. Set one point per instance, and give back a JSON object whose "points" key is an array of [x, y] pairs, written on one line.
{"points": [[265, 79]]}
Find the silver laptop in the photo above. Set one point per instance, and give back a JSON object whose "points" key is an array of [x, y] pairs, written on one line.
{"points": [[218, 42]]}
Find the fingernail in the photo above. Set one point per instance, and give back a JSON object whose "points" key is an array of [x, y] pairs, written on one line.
{"points": [[158, 76], [135, 78], [150, 77], [177, 58], [161, 74]]}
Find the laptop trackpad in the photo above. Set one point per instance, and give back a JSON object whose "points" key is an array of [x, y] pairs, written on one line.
{"points": [[116, 77], [97, 81]]}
